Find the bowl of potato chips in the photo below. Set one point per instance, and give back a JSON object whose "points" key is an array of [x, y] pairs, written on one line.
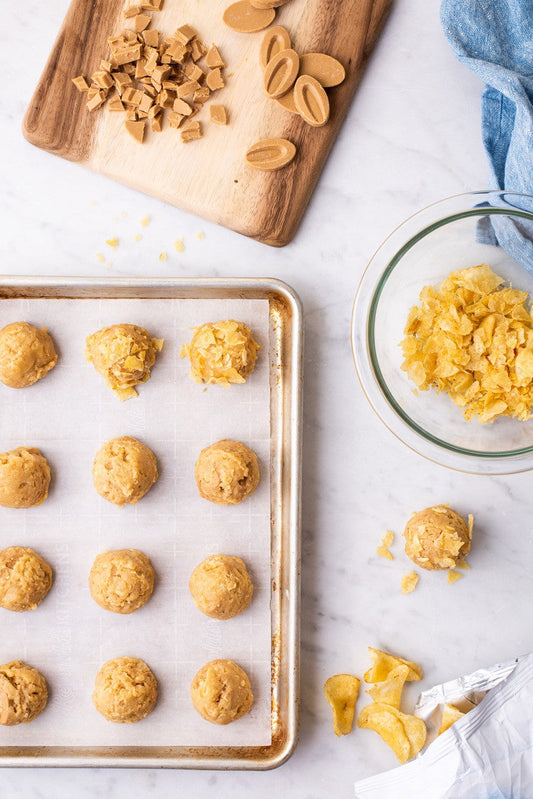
{"points": [[442, 332]]}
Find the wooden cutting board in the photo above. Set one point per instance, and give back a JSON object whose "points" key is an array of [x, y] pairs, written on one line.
{"points": [[208, 177]]}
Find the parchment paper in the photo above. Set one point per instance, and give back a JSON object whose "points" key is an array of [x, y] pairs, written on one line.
{"points": [[69, 415]]}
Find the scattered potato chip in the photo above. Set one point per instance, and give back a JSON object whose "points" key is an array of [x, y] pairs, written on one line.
{"points": [[473, 339], [406, 735], [383, 552], [462, 564], [409, 582], [454, 576], [383, 664], [450, 714], [389, 691], [341, 692], [388, 539]]}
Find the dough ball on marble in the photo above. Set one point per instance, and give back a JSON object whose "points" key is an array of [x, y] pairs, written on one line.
{"points": [[221, 692], [23, 693], [25, 579], [226, 472], [121, 581], [27, 354], [436, 537], [221, 352], [124, 470], [125, 690], [24, 478], [123, 355], [221, 586]]}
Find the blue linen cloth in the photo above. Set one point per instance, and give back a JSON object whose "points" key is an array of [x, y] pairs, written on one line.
{"points": [[494, 38]]}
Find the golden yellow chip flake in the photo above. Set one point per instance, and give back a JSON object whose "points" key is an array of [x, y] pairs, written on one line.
{"points": [[409, 582], [472, 337], [454, 576], [388, 539], [383, 552]]}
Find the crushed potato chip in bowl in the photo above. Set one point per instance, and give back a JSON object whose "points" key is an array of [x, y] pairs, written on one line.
{"points": [[442, 332]]}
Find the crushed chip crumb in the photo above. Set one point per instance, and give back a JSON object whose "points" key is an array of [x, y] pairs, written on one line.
{"points": [[100, 257], [137, 237], [409, 582], [200, 234], [453, 576], [388, 538], [383, 552], [145, 221], [462, 564], [163, 256], [179, 246], [112, 242], [472, 338]]}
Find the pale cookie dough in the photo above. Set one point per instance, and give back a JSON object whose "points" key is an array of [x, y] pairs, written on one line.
{"points": [[123, 355], [121, 581], [221, 692], [24, 478], [23, 693], [25, 579], [221, 352], [124, 470], [226, 472], [221, 586], [26, 354], [436, 537], [125, 690]]}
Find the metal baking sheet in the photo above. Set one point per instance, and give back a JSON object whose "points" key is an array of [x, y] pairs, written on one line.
{"points": [[285, 351]]}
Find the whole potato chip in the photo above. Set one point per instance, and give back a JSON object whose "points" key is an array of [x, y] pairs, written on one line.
{"points": [[450, 714], [383, 664], [406, 735], [381, 719], [389, 691], [341, 692]]}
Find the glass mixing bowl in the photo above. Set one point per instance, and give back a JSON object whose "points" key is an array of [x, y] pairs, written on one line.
{"points": [[422, 251]]}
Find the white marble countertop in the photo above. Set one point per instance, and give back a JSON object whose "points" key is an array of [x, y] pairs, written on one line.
{"points": [[412, 136]]}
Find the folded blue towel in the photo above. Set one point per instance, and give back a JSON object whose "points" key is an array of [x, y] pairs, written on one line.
{"points": [[494, 38]]}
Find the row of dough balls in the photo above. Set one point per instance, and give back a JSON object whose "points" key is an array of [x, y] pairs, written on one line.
{"points": [[122, 581], [221, 352], [125, 691], [125, 469]]}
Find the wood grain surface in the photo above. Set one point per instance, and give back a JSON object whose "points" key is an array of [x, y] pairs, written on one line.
{"points": [[208, 177]]}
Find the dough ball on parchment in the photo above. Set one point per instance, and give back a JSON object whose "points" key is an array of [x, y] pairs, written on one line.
{"points": [[125, 690], [27, 354], [121, 581], [24, 478], [23, 693], [221, 692], [436, 537], [25, 579], [221, 352], [124, 470], [226, 472], [221, 586], [123, 355]]}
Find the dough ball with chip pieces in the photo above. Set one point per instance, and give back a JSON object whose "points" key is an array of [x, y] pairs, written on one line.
{"points": [[221, 586], [124, 470], [221, 352], [27, 354], [436, 537], [25, 579], [23, 693], [226, 472], [221, 692], [121, 581], [24, 478], [125, 690]]}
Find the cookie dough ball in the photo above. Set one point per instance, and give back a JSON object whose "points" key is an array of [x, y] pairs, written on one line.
{"points": [[221, 587], [23, 693], [24, 478], [436, 537], [124, 355], [121, 581], [227, 472], [26, 354], [221, 352], [125, 690], [124, 470], [25, 579], [221, 692]]}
